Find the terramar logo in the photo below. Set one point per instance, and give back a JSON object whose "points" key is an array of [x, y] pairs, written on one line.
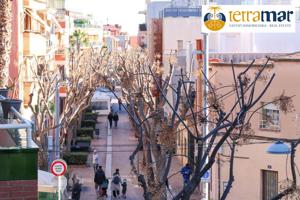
{"points": [[241, 18], [214, 20]]}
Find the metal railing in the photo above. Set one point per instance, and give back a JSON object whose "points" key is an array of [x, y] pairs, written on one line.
{"points": [[24, 124], [180, 12], [241, 57]]}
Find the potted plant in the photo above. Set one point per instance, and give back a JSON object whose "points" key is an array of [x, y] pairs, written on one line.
{"points": [[84, 132], [82, 144], [90, 116], [11, 102], [76, 158], [8, 103], [88, 123], [3, 92]]}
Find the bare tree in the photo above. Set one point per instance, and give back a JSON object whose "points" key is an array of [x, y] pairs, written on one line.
{"points": [[81, 82], [5, 39], [145, 91]]}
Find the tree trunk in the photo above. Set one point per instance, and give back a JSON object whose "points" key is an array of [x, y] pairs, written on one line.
{"points": [[5, 38], [160, 194]]}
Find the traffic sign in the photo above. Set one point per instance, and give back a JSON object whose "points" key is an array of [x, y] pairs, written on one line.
{"points": [[58, 167], [206, 177]]}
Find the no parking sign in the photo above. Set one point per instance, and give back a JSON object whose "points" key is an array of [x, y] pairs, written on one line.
{"points": [[58, 167]]}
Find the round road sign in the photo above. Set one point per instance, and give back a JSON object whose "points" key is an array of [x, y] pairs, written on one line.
{"points": [[58, 167]]}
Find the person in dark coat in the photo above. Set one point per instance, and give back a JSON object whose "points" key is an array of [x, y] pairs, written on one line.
{"points": [[104, 187], [115, 184], [186, 172], [99, 178], [110, 119], [116, 119], [76, 190], [124, 188], [120, 104]]}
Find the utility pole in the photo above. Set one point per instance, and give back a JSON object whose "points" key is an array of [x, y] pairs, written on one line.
{"points": [[205, 97], [57, 116]]}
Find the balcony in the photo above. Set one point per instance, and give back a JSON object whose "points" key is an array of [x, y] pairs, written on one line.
{"points": [[180, 12], [36, 4], [34, 44], [17, 151], [60, 56]]}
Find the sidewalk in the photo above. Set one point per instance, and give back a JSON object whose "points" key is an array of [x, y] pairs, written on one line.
{"points": [[114, 147], [124, 144], [86, 172]]}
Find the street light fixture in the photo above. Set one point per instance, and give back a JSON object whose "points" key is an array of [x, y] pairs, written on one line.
{"points": [[279, 147]]}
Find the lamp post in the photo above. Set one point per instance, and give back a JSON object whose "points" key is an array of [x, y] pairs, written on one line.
{"points": [[57, 115], [205, 97]]}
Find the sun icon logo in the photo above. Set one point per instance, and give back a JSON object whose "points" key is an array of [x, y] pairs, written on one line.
{"points": [[214, 20]]}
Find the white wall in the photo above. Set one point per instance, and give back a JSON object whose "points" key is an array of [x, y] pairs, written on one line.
{"points": [[277, 42], [174, 29], [180, 28], [255, 42]]}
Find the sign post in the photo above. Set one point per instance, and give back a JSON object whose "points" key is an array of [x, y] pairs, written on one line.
{"points": [[59, 168], [206, 177]]}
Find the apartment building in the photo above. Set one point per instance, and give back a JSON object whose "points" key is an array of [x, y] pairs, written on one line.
{"points": [[89, 26], [114, 38], [181, 28], [42, 40], [258, 174]]}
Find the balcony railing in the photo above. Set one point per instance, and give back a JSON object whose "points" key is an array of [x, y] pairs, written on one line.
{"points": [[20, 131], [241, 57], [180, 12], [226, 57]]}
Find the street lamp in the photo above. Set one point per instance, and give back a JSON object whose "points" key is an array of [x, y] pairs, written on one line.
{"points": [[279, 147]]}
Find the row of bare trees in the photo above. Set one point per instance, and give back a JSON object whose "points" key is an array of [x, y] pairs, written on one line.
{"points": [[145, 92], [80, 80]]}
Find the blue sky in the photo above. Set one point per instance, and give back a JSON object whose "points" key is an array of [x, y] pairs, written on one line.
{"points": [[124, 12]]}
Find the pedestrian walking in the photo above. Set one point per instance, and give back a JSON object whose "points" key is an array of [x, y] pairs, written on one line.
{"points": [[96, 160], [76, 190], [186, 172], [104, 187], [116, 118], [120, 104], [110, 119], [116, 182], [99, 179], [124, 188]]}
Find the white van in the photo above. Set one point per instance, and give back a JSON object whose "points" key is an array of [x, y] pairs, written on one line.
{"points": [[101, 102]]}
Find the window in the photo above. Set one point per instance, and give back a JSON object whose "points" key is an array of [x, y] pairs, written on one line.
{"points": [[100, 105], [269, 184], [32, 25], [27, 23], [298, 13], [247, 2], [179, 45], [270, 118]]}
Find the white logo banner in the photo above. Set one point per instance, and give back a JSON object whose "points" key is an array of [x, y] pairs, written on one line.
{"points": [[248, 18]]}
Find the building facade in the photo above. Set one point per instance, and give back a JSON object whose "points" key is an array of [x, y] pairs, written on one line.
{"points": [[258, 174]]}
